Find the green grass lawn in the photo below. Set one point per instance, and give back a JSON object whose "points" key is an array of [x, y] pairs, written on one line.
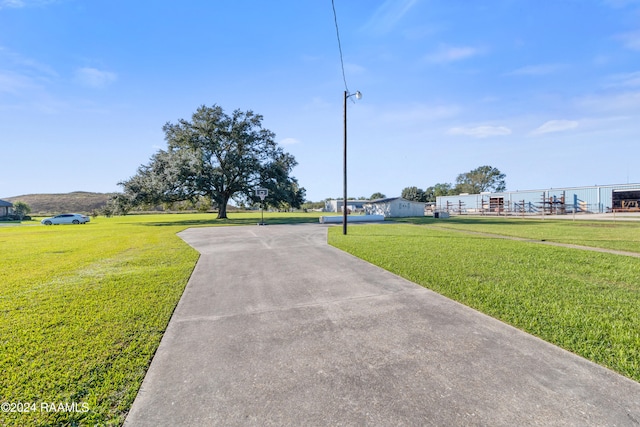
{"points": [[83, 309], [583, 301], [619, 235]]}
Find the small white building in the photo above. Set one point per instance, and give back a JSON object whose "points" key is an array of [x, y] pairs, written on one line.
{"points": [[336, 205], [395, 207]]}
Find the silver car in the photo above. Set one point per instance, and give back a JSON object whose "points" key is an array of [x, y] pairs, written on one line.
{"points": [[68, 218]]}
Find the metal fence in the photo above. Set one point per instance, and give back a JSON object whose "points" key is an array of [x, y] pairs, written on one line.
{"points": [[521, 208]]}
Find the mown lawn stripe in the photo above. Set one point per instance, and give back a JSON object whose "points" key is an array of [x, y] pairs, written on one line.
{"points": [[585, 302], [620, 235]]}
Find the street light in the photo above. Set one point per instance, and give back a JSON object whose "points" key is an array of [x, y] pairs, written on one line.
{"points": [[347, 95]]}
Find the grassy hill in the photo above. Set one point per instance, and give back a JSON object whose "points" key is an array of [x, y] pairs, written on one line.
{"points": [[77, 201], [84, 202]]}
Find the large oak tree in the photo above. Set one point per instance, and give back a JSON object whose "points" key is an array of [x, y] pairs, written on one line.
{"points": [[219, 156]]}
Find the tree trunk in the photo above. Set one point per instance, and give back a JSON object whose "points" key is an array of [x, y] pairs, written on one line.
{"points": [[222, 207]]}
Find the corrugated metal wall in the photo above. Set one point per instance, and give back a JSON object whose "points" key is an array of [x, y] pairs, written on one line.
{"points": [[597, 199]]}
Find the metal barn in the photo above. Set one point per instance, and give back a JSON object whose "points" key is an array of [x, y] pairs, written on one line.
{"points": [[595, 199]]}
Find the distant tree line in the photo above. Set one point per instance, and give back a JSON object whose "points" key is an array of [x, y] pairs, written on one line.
{"points": [[481, 179], [478, 180]]}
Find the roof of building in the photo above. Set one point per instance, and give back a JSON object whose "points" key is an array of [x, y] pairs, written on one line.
{"points": [[5, 204], [391, 199]]}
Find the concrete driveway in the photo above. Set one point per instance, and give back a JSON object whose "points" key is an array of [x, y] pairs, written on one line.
{"points": [[277, 328]]}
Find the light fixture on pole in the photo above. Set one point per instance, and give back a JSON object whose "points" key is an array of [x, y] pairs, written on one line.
{"points": [[347, 95]]}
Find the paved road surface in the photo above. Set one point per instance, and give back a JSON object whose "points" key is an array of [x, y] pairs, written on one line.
{"points": [[277, 328]]}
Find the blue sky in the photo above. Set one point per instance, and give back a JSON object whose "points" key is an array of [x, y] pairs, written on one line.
{"points": [[547, 91]]}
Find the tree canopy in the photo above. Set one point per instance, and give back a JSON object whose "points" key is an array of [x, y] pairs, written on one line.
{"points": [[480, 179], [413, 193], [440, 189], [21, 210], [220, 157]]}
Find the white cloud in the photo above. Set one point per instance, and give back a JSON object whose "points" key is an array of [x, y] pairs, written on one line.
{"points": [[621, 3], [624, 80], [26, 93], [480, 131], [446, 54], [625, 102], [289, 141], [318, 103], [421, 114], [93, 77], [388, 15], [555, 126], [14, 83], [631, 40], [26, 65], [536, 70], [16, 4], [353, 69]]}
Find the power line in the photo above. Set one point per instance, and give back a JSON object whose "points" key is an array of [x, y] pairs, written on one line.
{"points": [[335, 19]]}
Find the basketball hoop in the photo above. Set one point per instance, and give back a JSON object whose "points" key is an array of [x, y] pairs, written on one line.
{"points": [[262, 193]]}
